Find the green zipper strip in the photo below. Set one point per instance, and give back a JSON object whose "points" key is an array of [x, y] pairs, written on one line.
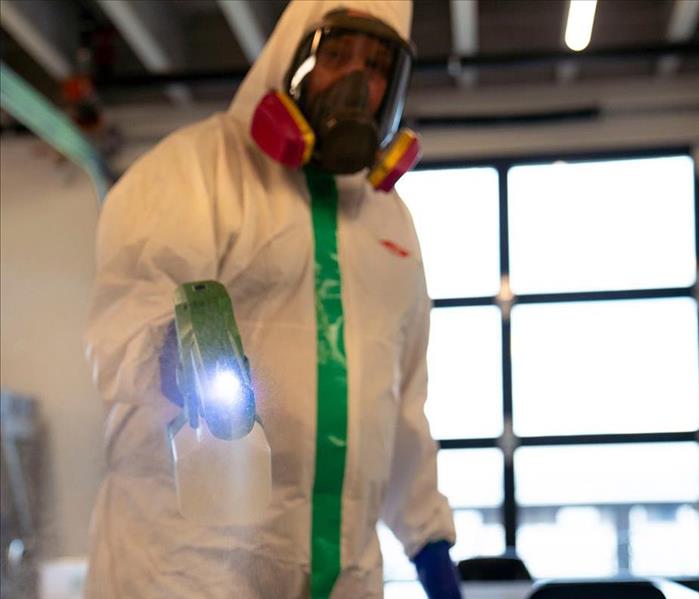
{"points": [[36, 113], [331, 433]]}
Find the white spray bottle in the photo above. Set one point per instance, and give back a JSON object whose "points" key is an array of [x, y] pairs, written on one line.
{"points": [[219, 448]]}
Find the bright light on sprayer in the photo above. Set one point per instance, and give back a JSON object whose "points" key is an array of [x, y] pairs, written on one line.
{"points": [[226, 388], [581, 16]]}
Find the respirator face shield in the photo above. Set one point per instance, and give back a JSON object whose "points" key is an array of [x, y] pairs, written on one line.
{"points": [[350, 77]]}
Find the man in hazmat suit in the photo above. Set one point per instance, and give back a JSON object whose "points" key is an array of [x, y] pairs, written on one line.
{"points": [[326, 281]]}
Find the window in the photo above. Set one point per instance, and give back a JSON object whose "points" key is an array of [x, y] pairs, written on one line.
{"points": [[465, 376], [455, 212], [564, 297], [471, 479], [605, 367], [607, 496], [619, 224]]}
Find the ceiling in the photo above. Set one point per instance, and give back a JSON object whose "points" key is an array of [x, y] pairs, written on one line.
{"points": [[190, 51]]}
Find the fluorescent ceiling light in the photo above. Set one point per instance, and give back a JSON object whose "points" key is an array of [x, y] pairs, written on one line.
{"points": [[581, 16]]}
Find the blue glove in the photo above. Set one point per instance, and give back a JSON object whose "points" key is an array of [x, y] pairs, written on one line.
{"points": [[437, 572], [169, 358]]}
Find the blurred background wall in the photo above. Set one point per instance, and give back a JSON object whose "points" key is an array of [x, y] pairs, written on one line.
{"points": [[48, 223]]}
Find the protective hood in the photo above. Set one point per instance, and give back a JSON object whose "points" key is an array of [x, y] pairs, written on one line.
{"points": [[299, 18]]}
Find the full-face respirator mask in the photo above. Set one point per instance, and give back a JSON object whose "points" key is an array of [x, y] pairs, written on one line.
{"points": [[342, 103]]}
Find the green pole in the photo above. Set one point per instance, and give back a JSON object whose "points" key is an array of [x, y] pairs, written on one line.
{"points": [[36, 113]]}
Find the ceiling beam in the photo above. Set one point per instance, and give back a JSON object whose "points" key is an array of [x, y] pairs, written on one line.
{"points": [[623, 96], [681, 26], [46, 30], [464, 38], [626, 97], [154, 34], [245, 24]]}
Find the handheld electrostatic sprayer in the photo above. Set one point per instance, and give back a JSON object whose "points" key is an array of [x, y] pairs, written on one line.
{"points": [[219, 448]]}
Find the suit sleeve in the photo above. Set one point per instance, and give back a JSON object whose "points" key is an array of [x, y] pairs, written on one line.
{"points": [[155, 231], [415, 511]]}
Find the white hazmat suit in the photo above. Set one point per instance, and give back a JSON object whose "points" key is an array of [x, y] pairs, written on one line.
{"points": [[206, 204]]}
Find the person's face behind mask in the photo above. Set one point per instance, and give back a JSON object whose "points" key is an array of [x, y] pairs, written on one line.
{"points": [[344, 54], [343, 94], [349, 78]]}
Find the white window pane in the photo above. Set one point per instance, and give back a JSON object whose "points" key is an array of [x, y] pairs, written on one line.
{"points": [[621, 224], [471, 477], [465, 374], [653, 530], [570, 542], [634, 472], [605, 367], [396, 565], [477, 534], [580, 541], [456, 217], [403, 590]]}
